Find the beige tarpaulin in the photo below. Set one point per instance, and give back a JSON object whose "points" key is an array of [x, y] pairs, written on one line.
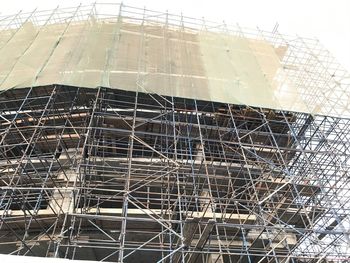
{"points": [[157, 59]]}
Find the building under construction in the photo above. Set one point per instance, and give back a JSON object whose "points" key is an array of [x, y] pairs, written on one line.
{"points": [[129, 135]]}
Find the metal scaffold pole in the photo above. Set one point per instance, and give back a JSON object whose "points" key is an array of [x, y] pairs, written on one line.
{"points": [[153, 164]]}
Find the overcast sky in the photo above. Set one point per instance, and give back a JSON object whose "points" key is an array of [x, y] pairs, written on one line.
{"points": [[327, 20]]}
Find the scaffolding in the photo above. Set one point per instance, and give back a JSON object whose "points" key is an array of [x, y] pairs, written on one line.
{"points": [[133, 175]]}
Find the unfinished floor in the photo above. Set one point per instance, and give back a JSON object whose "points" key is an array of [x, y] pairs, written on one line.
{"points": [[112, 175]]}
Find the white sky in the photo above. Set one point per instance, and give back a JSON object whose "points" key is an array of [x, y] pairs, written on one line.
{"points": [[327, 20]]}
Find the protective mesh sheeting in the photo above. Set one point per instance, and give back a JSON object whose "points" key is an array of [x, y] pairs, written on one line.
{"points": [[155, 56]]}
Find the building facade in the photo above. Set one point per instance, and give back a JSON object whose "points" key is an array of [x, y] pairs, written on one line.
{"points": [[129, 135]]}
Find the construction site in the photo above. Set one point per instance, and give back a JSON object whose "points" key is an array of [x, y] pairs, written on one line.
{"points": [[131, 135]]}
